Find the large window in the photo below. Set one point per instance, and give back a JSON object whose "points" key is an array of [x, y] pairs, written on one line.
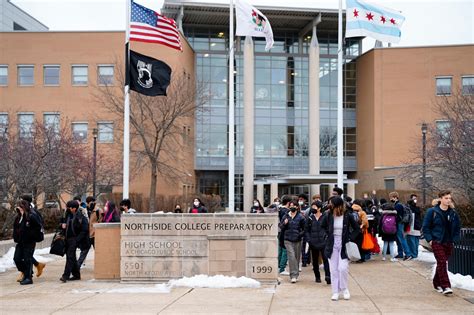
{"points": [[3, 75], [51, 122], [443, 85], [79, 131], [443, 132], [468, 85], [25, 124], [80, 75], [3, 124], [389, 184], [26, 75], [106, 75], [106, 132], [51, 75]]}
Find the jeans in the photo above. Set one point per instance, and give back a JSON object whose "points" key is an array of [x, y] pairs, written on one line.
{"points": [[294, 253], [71, 259], [391, 245], [23, 258], [282, 258], [413, 242], [339, 267], [402, 240]]}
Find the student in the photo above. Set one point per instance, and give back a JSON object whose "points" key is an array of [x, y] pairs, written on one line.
{"points": [[126, 206], [388, 230], [198, 206], [394, 198], [257, 207], [441, 228], [414, 233], [336, 222]]}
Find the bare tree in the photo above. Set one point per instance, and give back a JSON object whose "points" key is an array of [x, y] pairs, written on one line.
{"points": [[158, 140], [449, 149]]}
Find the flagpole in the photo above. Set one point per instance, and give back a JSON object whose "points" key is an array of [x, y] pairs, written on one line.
{"points": [[126, 112], [340, 144], [231, 110]]}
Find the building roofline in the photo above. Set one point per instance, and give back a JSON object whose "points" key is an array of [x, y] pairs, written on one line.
{"points": [[417, 47], [9, 1]]}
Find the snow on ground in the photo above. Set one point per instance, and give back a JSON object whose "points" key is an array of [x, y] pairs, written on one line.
{"points": [[6, 261], [199, 281]]}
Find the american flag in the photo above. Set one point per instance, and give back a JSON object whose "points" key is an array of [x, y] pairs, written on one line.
{"points": [[150, 27]]}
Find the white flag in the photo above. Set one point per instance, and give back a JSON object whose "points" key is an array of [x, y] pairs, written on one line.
{"points": [[251, 22]]}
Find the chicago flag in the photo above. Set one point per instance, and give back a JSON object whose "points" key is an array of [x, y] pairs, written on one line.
{"points": [[365, 19]]}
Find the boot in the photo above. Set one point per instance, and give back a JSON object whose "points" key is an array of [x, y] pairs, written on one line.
{"points": [[328, 280], [318, 279], [39, 269], [26, 281], [20, 277]]}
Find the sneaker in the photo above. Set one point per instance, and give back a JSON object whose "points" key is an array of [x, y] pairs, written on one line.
{"points": [[39, 269], [346, 294], [383, 258], [29, 281], [409, 258], [393, 259], [20, 277], [293, 280], [446, 291], [318, 280], [300, 269], [439, 289], [74, 278], [335, 297], [285, 273]]}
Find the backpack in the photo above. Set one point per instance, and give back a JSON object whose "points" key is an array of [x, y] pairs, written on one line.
{"points": [[39, 232], [389, 224], [406, 217]]}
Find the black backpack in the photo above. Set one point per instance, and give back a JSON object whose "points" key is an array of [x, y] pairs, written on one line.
{"points": [[407, 214], [38, 235]]}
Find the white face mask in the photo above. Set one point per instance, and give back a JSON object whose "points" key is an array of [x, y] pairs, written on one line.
{"points": [[277, 203], [301, 202], [196, 203], [255, 204]]}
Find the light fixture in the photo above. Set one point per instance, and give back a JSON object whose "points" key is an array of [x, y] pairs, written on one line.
{"points": [[206, 55], [221, 34], [213, 44], [281, 82], [294, 74], [224, 80]]}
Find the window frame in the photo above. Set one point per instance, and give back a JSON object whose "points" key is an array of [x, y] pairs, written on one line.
{"points": [[99, 76], [57, 128], [78, 140], [4, 128], [450, 77], [391, 178], [467, 76], [18, 74], [99, 131], [19, 125], [6, 67], [72, 74], [44, 74]]}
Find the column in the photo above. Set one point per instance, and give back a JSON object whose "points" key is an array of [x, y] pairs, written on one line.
{"points": [[314, 105], [260, 193], [248, 123], [351, 190], [273, 191], [314, 189]]}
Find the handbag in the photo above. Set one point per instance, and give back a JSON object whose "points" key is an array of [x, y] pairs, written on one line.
{"points": [[58, 245], [352, 251], [376, 249], [367, 243]]}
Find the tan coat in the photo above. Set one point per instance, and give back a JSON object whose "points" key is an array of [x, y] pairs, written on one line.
{"points": [[363, 221], [93, 220]]}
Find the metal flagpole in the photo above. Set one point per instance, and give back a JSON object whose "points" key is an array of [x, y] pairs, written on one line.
{"points": [[340, 145], [231, 109], [126, 111]]}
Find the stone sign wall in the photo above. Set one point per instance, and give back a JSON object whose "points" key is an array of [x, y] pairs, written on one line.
{"points": [[159, 247]]}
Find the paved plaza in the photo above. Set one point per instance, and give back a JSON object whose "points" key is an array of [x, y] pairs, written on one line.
{"points": [[377, 288]]}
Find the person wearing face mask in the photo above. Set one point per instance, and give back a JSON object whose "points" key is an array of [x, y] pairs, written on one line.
{"points": [[177, 209], [317, 237], [126, 206], [274, 206], [96, 217], [257, 207], [198, 207], [87, 243], [400, 227], [292, 225], [305, 211], [413, 235]]}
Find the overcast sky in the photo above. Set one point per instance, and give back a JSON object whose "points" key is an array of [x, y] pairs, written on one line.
{"points": [[428, 22]]}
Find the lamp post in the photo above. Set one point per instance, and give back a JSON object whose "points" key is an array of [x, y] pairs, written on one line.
{"points": [[95, 132], [424, 128]]}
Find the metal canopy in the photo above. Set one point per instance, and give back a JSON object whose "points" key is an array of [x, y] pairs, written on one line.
{"points": [[304, 179], [281, 18]]}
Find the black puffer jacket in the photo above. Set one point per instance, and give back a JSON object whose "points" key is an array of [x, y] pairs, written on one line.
{"points": [[77, 226], [416, 210], [327, 223], [294, 229], [24, 232], [315, 234]]}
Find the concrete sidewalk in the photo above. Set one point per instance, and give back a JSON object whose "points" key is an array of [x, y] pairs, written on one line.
{"points": [[376, 287]]}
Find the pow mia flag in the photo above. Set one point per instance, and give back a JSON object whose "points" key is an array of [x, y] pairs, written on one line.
{"points": [[148, 76]]}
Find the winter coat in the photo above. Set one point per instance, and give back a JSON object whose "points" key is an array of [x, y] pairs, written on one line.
{"points": [[294, 229], [418, 222], [96, 217], [281, 234], [111, 216], [200, 209], [362, 217], [387, 237], [24, 232], [328, 225], [77, 226], [257, 209], [315, 234], [434, 224]]}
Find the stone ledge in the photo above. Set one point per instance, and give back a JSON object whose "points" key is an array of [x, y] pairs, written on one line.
{"points": [[225, 237]]}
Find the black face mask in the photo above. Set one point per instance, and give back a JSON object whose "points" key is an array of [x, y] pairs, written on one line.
{"points": [[314, 210], [122, 209], [292, 209], [91, 205]]}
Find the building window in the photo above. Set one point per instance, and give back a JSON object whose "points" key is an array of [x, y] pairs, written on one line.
{"points": [[79, 132], [51, 122], [443, 86], [3, 124], [18, 27], [106, 132], [467, 85], [80, 75], [389, 184], [51, 75], [25, 122], [3, 75], [442, 132], [26, 75], [106, 75]]}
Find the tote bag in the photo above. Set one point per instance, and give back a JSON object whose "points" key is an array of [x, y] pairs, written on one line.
{"points": [[352, 251]]}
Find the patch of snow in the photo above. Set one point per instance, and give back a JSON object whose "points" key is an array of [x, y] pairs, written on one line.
{"points": [[457, 280], [425, 256], [6, 261], [217, 282]]}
